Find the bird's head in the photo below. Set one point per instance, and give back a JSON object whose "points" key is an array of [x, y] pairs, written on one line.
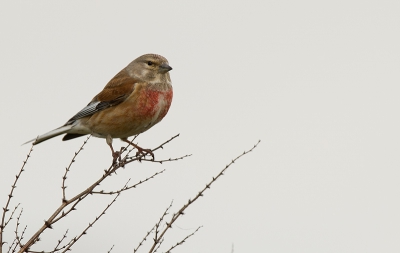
{"points": [[151, 68]]}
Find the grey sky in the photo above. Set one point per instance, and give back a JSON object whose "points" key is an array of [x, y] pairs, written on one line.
{"points": [[317, 82]]}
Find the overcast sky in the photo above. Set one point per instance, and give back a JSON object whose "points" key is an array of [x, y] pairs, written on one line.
{"points": [[316, 82]]}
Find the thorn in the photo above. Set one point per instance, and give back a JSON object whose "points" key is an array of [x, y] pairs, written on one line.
{"points": [[48, 224]]}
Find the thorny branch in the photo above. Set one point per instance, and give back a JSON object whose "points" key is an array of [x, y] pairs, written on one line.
{"points": [[60, 212], [57, 247], [110, 249], [75, 239], [154, 228], [166, 160], [17, 237], [67, 169], [71, 203], [183, 240], [129, 187], [158, 238], [10, 195], [12, 245], [157, 226], [12, 214], [143, 240]]}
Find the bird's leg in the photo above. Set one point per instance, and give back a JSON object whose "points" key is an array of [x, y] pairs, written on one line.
{"points": [[115, 154], [141, 151]]}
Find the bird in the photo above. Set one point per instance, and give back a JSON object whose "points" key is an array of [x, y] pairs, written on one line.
{"points": [[132, 102]]}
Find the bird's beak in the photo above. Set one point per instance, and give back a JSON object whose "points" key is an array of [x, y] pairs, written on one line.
{"points": [[164, 68]]}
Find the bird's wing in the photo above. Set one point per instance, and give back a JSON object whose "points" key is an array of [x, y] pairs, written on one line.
{"points": [[115, 92]]}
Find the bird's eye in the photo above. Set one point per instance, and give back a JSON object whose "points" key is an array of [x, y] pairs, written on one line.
{"points": [[149, 63]]}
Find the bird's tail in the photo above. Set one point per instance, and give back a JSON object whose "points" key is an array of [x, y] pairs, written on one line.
{"points": [[51, 134]]}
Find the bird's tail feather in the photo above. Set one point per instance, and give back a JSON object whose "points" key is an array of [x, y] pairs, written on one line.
{"points": [[51, 134]]}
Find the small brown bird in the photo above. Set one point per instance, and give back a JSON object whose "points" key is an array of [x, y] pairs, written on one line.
{"points": [[133, 101]]}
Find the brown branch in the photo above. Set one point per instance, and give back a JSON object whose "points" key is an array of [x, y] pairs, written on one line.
{"points": [[53, 218], [18, 239], [143, 240], [155, 228], [67, 169], [11, 245], [73, 241], [183, 240], [110, 249], [65, 213], [61, 211], [161, 220], [166, 160], [191, 201], [128, 187], [56, 248], [159, 245], [166, 142], [15, 246], [10, 195], [12, 214]]}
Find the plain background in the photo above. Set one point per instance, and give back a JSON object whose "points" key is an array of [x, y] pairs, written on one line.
{"points": [[316, 81]]}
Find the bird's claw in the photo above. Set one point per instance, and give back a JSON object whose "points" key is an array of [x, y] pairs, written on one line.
{"points": [[116, 156], [142, 152]]}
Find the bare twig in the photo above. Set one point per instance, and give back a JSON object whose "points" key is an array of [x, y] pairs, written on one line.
{"points": [[158, 224], [154, 228], [10, 195], [159, 245], [191, 201], [143, 240], [73, 241], [15, 245], [60, 213], [12, 214], [166, 160], [129, 187], [12, 245], [57, 247], [110, 249], [67, 169], [162, 145], [65, 213], [17, 237], [183, 240]]}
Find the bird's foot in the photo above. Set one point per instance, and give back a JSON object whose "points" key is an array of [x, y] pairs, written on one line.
{"points": [[142, 152], [116, 156]]}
